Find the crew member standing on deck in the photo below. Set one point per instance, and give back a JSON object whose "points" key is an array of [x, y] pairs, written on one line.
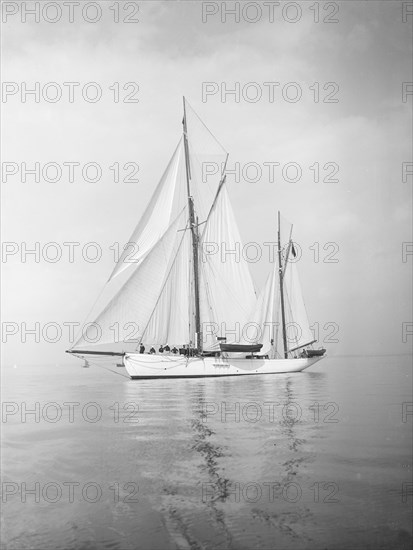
{"points": [[272, 352]]}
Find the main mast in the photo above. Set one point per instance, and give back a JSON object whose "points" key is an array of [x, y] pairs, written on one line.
{"points": [[195, 237], [281, 276]]}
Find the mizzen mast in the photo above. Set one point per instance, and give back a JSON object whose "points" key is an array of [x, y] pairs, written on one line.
{"points": [[195, 237], [281, 276]]}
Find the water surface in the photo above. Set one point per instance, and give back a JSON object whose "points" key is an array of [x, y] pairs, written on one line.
{"points": [[319, 459]]}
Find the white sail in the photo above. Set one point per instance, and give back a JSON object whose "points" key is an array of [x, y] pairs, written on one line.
{"points": [[171, 320], [265, 316], [267, 313], [157, 216], [226, 284], [299, 333], [135, 301]]}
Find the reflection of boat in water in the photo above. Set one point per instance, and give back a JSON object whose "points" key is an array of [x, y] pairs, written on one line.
{"points": [[188, 286]]}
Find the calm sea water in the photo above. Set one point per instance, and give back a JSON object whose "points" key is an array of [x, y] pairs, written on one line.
{"points": [[315, 460]]}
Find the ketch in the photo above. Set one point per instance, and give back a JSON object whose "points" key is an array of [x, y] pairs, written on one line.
{"points": [[181, 303]]}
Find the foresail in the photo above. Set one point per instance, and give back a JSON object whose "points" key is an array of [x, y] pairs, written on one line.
{"points": [[133, 304], [157, 216]]}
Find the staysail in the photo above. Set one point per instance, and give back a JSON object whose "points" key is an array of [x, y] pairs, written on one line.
{"points": [[171, 321], [265, 315]]}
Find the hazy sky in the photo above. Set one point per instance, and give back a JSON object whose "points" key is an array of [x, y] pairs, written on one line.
{"points": [[170, 52]]}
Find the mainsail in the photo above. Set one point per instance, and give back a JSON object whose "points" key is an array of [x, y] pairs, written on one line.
{"points": [[228, 293]]}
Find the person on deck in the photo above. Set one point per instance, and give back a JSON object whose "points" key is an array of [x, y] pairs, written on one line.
{"points": [[142, 349], [152, 350]]}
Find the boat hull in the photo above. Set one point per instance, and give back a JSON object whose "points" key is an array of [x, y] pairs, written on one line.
{"points": [[178, 366]]}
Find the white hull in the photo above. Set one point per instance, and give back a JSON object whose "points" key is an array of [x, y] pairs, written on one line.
{"points": [[177, 366]]}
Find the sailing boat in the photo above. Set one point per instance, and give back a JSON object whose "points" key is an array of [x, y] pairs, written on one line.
{"points": [[186, 304]]}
